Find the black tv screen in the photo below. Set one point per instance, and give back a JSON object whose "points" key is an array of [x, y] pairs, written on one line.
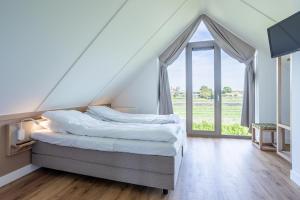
{"points": [[284, 37]]}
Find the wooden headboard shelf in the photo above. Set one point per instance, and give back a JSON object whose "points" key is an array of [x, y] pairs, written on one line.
{"points": [[11, 118], [5, 119], [11, 123], [14, 146]]}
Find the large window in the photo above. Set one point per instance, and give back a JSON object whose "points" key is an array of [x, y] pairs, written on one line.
{"points": [[205, 103]]}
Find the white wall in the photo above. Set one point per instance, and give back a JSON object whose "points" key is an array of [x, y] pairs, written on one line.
{"points": [[67, 53], [295, 117], [39, 42], [141, 95], [265, 88]]}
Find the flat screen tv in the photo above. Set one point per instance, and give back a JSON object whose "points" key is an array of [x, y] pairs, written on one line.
{"points": [[284, 37]]}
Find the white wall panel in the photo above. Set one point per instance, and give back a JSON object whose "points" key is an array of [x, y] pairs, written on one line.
{"points": [[242, 20], [265, 87], [181, 19], [295, 117], [39, 41], [141, 95], [126, 34], [278, 10], [247, 22]]}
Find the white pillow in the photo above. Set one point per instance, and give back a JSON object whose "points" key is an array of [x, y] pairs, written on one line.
{"points": [[68, 120], [50, 125], [59, 119], [104, 113]]}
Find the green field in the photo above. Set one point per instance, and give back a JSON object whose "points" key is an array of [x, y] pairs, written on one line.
{"points": [[203, 114]]}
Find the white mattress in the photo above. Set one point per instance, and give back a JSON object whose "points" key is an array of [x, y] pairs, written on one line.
{"points": [[110, 144]]}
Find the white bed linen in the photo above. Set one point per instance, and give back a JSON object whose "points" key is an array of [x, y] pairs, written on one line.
{"points": [[110, 144], [108, 114], [79, 123]]}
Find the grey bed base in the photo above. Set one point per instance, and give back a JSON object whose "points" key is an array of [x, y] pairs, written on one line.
{"points": [[147, 170]]}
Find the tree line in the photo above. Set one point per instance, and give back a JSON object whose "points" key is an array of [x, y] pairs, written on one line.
{"points": [[204, 92]]}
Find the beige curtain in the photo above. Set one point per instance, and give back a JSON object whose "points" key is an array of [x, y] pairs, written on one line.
{"points": [[231, 44], [166, 59]]}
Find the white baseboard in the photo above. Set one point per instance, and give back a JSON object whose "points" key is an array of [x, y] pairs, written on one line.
{"points": [[295, 176], [8, 178]]}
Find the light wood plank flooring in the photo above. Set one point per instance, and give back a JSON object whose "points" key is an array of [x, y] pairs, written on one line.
{"points": [[212, 169]]}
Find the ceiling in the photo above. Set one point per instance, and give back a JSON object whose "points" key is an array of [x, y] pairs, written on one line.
{"points": [[69, 53]]}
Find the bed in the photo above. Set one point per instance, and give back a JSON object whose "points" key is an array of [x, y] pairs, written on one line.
{"points": [[147, 163]]}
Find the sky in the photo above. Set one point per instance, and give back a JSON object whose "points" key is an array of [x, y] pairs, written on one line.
{"points": [[232, 71]]}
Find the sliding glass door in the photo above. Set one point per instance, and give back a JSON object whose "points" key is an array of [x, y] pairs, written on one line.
{"points": [[203, 86]]}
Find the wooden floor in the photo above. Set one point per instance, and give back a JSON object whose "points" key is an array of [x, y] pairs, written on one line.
{"points": [[212, 169]]}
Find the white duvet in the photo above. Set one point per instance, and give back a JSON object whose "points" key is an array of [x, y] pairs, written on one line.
{"points": [[78, 123], [108, 114], [108, 144]]}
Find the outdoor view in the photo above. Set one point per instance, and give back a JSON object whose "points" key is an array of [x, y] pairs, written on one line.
{"points": [[232, 82], [203, 90], [232, 73]]}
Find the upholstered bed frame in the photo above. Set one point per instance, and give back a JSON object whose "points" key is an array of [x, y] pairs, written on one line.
{"points": [[147, 170]]}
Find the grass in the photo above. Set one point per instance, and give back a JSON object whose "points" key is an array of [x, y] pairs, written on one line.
{"points": [[203, 114], [227, 129]]}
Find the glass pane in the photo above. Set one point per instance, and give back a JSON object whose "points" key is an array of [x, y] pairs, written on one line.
{"points": [[232, 95], [203, 90], [176, 73], [201, 34]]}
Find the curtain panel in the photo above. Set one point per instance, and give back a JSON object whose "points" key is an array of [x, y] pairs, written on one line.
{"points": [[166, 59]]}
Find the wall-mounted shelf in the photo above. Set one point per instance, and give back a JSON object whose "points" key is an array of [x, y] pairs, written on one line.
{"points": [[20, 147], [15, 146]]}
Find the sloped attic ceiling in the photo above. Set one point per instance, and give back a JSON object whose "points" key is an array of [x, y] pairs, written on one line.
{"points": [[59, 54]]}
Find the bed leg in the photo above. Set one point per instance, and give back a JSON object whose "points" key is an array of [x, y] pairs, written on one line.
{"points": [[165, 192]]}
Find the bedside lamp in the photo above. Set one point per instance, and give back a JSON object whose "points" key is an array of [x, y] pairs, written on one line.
{"points": [[21, 132]]}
